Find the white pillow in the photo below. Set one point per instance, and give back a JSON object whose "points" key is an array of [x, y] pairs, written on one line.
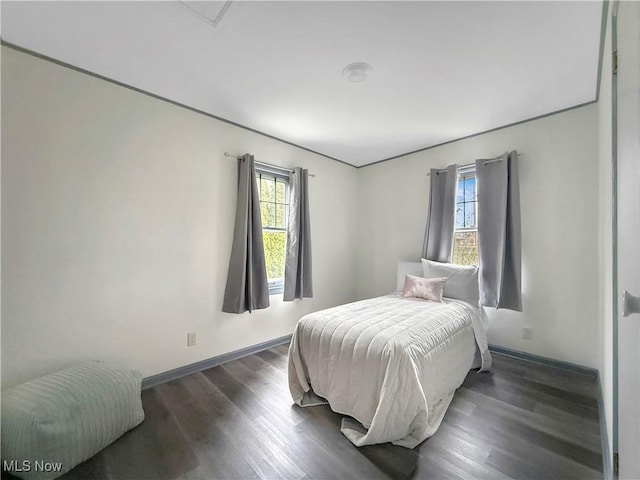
{"points": [[462, 280]]}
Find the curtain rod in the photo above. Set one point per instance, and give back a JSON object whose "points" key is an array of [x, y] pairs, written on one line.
{"points": [[499, 159], [227, 154]]}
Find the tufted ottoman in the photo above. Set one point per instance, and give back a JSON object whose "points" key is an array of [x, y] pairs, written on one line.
{"points": [[53, 423]]}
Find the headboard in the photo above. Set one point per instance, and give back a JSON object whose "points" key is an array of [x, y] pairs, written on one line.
{"points": [[407, 268]]}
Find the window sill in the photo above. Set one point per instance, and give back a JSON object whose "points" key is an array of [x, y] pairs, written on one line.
{"points": [[276, 288]]}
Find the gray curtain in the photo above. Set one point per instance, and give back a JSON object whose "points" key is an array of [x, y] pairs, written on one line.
{"points": [[247, 279], [438, 237], [297, 272], [499, 232]]}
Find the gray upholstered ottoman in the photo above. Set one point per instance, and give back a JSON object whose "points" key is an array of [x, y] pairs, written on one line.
{"points": [[53, 423]]}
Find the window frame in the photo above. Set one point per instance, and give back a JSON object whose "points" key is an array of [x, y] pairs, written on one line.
{"points": [[467, 171], [275, 285]]}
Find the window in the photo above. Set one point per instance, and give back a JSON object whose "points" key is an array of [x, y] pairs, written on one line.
{"points": [[465, 236], [273, 188]]}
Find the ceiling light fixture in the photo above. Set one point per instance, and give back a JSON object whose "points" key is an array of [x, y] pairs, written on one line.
{"points": [[357, 72]]}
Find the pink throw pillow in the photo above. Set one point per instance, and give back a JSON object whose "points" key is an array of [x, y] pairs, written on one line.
{"points": [[427, 288]]}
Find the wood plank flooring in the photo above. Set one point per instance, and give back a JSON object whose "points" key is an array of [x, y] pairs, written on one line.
{"points": [[237, 421]]}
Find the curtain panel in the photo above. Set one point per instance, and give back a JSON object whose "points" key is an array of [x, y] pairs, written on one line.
{"points": [[297, 275], [247, 288], [438, 237], [499, 235]]}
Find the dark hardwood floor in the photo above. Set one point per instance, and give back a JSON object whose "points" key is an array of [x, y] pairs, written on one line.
{"points": [[237, 421]]}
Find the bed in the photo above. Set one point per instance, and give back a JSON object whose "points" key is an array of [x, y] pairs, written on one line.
{"points": [[391, 364]]}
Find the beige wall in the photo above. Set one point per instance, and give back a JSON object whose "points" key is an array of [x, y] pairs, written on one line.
{"points": [[560, 239], [117, 213]]}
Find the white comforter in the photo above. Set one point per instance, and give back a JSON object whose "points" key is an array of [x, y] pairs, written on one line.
{"points": [[391, 363]]}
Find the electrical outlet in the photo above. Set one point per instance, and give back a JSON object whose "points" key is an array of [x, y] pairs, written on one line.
{"points": [[191, 339], [527, 333]]}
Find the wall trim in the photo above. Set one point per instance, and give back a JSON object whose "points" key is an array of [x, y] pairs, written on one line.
{"points": [[603, 31], [394, 157], [60, 63], [514, 124], [180, 372], [572, 367], [607, 461], [615, 419]]}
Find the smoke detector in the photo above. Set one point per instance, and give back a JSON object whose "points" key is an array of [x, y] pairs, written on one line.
{"points": [[357, 72]]}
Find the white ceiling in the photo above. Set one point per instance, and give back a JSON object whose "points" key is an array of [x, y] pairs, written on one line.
{"points": [[441, 70]]}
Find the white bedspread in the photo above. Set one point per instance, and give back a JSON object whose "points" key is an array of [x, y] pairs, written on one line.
{"points": [[391, 363]]}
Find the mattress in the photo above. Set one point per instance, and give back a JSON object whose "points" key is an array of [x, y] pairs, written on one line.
{"points": [[390, 363]]}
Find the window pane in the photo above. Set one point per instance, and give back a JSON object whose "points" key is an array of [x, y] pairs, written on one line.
{"points": [[460, 191], [465, 242], [470, 189], [281, 189], [465, 248], [470, 215], [460, 215], [274, 208], [268, 214], [281, 216], [267, 189], [274, 253]]}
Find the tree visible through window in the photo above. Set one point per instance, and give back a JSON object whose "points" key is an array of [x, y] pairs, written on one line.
{"points": [[274, 207], [465, 237]]}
